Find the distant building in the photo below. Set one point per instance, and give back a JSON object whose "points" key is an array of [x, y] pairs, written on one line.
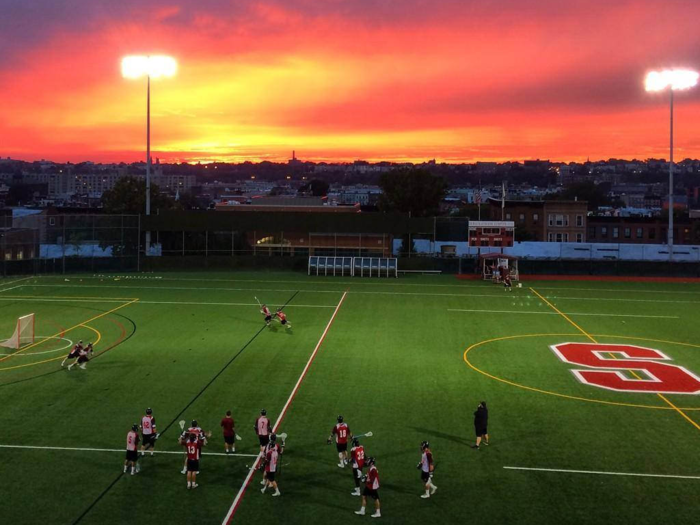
{"points": [[641, 230], [544, 221]]}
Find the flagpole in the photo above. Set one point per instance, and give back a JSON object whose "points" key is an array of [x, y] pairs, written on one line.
{"points": [[503, 199]]}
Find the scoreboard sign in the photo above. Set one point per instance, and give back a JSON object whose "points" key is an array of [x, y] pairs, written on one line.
{"points": [[491, 233]]}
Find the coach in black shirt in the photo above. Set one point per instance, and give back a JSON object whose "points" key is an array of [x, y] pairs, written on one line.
{"points": [[481, 421]]}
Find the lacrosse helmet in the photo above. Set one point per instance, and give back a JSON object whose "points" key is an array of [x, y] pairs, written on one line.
{"points": [[424, 445], [340, 419]]}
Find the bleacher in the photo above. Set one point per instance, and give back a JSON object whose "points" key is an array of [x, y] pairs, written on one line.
{"points": [[353, 266]]}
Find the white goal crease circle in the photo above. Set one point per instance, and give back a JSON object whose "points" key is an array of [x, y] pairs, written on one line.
{"points": [[44, 337]]}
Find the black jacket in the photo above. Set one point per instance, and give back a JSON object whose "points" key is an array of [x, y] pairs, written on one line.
{"points": [[481, 417]]}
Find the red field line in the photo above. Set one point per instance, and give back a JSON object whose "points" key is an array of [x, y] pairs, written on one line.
{"points": [[600, 278], [251, 471]]}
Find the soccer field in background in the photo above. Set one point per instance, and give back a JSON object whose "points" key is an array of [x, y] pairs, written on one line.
{"points": [[591, 388]]}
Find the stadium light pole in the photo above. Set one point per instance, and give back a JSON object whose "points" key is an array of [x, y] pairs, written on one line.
{"points": [[673, 80], [136, 67]]}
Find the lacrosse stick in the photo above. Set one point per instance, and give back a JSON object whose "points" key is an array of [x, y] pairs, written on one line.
{"points": [[366, 434]]}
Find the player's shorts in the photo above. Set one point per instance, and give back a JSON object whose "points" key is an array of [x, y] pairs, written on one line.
{"points": [[283, 321], [342, 447], [425, 476], [264, 440], [230, 440], [481, 431], [73, 355], [371, 493], [149, 439], [268, 318], [132, 455], [83, 359], [270, 476], [192, 465]]}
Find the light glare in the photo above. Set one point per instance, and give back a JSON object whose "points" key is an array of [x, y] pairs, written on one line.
{"points": [[676, 79], [152, 66]]}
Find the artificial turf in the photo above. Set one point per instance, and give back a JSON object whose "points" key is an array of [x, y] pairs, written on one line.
{"points": [[393, 362]]}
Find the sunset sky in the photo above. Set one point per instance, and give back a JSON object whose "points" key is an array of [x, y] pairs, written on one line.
{"points": [[342, 80]]}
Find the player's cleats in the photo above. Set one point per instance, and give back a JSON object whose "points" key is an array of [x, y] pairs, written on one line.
{"points": [[82, 367], [195, 485], [425, 496], [277, 493], [376, 515], [124, 470], [432, 490], [183, 471], [341, 464], [360, 512], [356, 492]]}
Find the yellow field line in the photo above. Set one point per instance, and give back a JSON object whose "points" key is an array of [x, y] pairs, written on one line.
{"points": [[611, 355], [68, 330], [680, 411]]}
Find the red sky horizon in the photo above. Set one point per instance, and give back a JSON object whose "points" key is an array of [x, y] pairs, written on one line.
{"points": [[341, 80]]}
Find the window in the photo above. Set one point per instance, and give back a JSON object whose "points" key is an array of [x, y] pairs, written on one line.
{"points": [[579, 220], [535, 217], [579, 237], [566, 237], [652, 233], [507, 216], [522, 217], [628, 233], [550, 237], [640, 233], [52, 221], [591, 232], [603, 231], [616, 232], [558, 219]]}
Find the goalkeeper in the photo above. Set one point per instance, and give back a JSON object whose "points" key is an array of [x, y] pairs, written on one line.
{"points": [[427, 468]]}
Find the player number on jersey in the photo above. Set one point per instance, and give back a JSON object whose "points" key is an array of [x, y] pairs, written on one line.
{"points": [[627, 368]]}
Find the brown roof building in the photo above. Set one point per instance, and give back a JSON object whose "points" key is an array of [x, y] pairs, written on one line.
{"points": [[544, 221]]}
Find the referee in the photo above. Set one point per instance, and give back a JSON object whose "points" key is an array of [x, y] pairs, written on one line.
{"points": [[481, 421]]}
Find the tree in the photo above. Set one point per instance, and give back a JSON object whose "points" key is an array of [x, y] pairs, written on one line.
{"points": [[315, 187], [414, 191], [584, 191], [128, 196]]}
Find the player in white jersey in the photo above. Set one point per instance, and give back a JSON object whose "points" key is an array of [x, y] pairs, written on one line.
{"points": [[263, 429], [427, 467], [271, 465], [132, 452], [148, 432]]}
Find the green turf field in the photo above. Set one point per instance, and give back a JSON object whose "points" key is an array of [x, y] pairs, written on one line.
{"points": [[407, 359]]}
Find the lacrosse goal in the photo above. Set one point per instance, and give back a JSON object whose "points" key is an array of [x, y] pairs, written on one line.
{"points": [[24, 333]]}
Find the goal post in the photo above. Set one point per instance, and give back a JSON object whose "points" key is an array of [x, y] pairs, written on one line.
{"points": [[24, 333]]}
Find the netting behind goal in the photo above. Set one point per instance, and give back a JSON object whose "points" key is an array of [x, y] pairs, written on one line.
{"points": [[24, 333]]}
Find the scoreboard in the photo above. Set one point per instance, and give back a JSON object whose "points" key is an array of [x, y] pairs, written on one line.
{"points": [[491, 233]]}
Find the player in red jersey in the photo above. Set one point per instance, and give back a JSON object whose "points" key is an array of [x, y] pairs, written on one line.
{"points": [[342, 433], [132, 453], [263, 429], [271, 465], [266, 313], [193, 447], [90, 350], [149, 432], [228, 426], [505, 278], [73, 354], [427, 467], [357, 453], [282, 318], [371, 489], [271, 444], [197, 431]]}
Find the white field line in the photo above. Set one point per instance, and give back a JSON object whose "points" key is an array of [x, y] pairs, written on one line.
{"points": [[76, 449], [621, 290], [567, 313], [426, 294], [603, 473], [246, 482], [107, 300], [11, 288]]}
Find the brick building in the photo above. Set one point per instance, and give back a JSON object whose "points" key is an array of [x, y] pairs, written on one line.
{"points": [[642, 230], [544, 221]]}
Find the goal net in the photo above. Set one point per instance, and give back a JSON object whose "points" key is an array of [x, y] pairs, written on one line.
{"points": [[24, 333]]}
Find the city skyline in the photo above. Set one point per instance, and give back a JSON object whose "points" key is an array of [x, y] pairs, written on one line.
{"points": [[370, 79]]}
